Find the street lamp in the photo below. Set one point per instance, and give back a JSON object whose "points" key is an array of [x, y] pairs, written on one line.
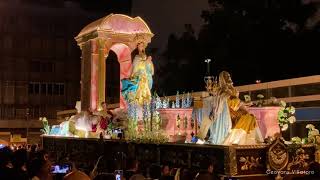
{"points": [[208, 66]]}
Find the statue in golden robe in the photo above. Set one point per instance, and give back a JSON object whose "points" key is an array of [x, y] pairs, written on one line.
{"points": [[229, 122]]}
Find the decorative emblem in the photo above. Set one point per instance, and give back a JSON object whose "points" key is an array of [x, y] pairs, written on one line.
{"points": [[278, 155]]}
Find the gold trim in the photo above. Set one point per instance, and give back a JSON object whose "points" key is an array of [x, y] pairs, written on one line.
{"points": [[249, 175], [99, 25], [230, 161], [250, 146]]}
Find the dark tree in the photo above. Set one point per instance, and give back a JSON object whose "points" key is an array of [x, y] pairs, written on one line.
{"points": [[266, 40]]}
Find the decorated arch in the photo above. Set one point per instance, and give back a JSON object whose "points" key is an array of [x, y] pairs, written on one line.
{"points": [[117, 32]]}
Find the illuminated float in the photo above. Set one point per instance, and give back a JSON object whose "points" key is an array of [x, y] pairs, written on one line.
{"points": [[149, 124]]}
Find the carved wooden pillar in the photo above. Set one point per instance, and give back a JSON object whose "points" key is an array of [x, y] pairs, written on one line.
{"points": [[85, 75], [102, 71], [89, 75], [94, 74]]}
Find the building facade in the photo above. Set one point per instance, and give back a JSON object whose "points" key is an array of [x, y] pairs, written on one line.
{"points": [[40, 61]]}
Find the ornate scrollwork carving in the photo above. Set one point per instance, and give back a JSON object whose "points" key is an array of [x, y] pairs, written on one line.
{"points": [[278, 155], [299, 160], [250, 163], [317, 156]]}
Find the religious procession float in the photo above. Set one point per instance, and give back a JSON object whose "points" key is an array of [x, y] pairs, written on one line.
{"points": [[243, 137]]}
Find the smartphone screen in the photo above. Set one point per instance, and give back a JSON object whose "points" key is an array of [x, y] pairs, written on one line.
{"points": [[60, 169], [119, 174], [2, 146]]}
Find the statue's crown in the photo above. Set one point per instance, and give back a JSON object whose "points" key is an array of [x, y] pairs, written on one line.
{"points": [[140, 38]]}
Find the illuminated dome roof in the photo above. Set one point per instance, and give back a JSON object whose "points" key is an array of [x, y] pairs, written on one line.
{"points": [[117, 23]]}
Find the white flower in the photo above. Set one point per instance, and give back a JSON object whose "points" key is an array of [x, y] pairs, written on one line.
{"points": [[296, 139], [284, 127], [292, 119], [283, 104], [247, 98], [292, 110], [314, 132], [310, 126], [260, 96]]}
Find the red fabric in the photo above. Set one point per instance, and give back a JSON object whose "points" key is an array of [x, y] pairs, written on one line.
{"points": [[103, 123], [94, 127]]}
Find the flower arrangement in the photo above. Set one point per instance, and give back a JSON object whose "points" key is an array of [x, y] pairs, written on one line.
{"points": [[177, 100], [181, 101], [132, 117], [189, 100], [313, 134], [157, 121], [158, 137], [151, 132], [286, 116], [261, 101], [46, 128], [158, 102], [165, 103], [296, 140], [313, 137], [146, 117]]}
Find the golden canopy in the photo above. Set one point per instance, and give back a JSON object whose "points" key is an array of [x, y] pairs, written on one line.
{"points": [[116, 24]]}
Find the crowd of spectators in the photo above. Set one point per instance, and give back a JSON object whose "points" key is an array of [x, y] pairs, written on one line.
{"points": [[33, 163], [164, 172], [24, 163]]}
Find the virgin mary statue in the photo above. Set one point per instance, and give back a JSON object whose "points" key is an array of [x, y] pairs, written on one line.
{"points": [[138, 87]]}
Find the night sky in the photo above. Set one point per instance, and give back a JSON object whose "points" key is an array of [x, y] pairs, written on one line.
{"points": [[265, 40], [254, 40]]}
